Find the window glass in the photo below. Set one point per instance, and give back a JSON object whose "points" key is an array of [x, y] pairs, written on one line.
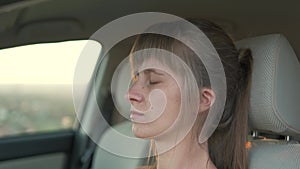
{"points": [[36, 87]]}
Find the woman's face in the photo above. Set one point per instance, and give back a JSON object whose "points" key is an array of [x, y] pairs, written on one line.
{"points": [[155, 102]]}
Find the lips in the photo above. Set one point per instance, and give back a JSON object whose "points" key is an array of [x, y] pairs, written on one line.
{"points": [[136, 115]]}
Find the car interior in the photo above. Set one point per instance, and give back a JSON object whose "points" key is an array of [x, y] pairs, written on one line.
{"points": [[268, 28]]}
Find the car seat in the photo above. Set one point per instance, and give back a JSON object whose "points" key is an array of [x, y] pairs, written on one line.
{"points": [[274, 115]]}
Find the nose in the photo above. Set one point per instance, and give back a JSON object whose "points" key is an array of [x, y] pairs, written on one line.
{"points": [[135, 94]]}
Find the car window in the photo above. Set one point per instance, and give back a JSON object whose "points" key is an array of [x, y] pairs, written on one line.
{"points": [[36, 87]]}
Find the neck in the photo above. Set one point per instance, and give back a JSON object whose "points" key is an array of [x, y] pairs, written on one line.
{"points": [[188, 154]]}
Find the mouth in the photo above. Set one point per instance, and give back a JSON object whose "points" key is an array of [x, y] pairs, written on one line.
{"points": [[136, 115]]}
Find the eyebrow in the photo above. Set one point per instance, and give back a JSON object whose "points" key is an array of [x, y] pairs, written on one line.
{"points": [[154, 71]]}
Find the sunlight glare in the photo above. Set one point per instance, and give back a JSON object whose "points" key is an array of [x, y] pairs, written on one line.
{"points": [[48, 63]]}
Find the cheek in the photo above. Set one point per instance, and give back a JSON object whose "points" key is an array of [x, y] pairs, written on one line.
{"points": [[167, 118], [173, 106], [164, 122]]}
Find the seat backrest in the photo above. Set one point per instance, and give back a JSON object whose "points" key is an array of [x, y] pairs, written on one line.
{"points": [[274, 102], [117, 149]]}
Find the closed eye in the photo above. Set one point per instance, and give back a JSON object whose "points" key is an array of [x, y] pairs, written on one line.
{"points": [[154, 82]]}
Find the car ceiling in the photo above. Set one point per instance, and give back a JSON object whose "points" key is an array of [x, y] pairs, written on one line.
{"points": [[34, 21]]}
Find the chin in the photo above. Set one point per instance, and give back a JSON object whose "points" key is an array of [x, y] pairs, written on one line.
{"points": [[143, 131]]}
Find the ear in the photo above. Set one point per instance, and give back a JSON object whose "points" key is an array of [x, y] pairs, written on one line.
{"points": [[207, 99]]}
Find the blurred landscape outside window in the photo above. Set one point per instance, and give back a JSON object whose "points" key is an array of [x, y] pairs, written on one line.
{"points": [[36, 87]]}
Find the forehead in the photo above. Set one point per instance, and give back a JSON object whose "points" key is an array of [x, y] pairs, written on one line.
{"points": [[159, 59], [152, 64]]}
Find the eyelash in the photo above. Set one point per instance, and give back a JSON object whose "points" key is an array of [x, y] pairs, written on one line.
{"points": [[151, 82], [154, 83]]}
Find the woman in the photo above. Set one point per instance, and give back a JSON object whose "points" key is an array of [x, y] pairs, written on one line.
{"points": [[160, 82]]}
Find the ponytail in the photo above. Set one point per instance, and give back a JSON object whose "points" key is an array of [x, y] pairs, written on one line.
{"points": [[245, 60], [227, 146], [240, 119]]}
